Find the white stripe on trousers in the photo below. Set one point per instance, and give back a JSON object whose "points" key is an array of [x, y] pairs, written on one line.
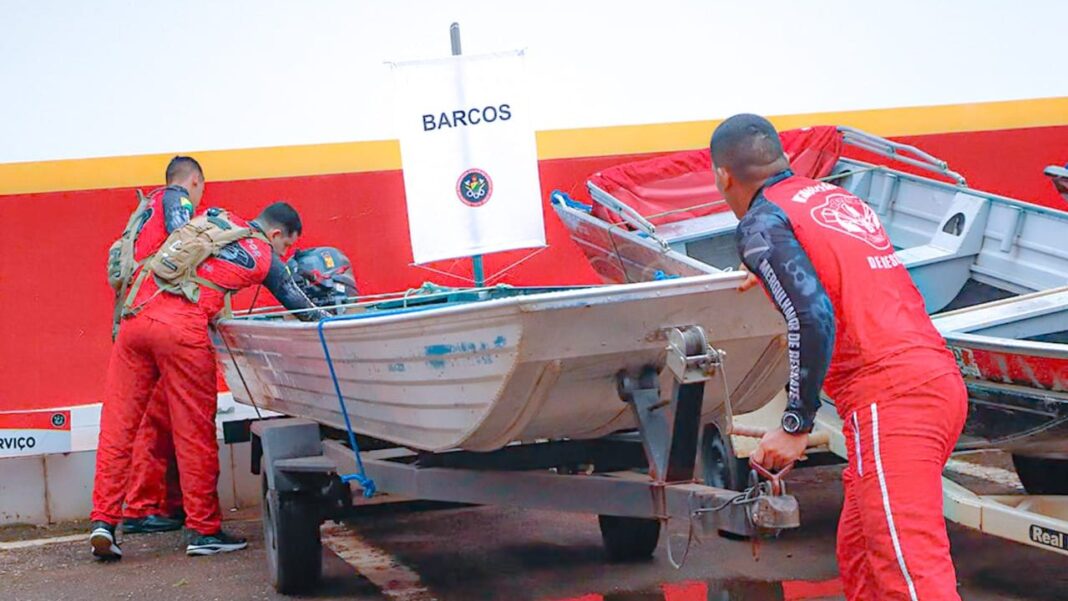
{"points": [[856, 445], [886, 502]]}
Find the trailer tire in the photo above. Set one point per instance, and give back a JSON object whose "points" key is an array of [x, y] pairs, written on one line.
{"points": [[627, 538], [719, 466], [291, 538], [1042, 476]]}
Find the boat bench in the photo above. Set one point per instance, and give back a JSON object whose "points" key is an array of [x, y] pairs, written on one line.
{"points": [[941, 267]]}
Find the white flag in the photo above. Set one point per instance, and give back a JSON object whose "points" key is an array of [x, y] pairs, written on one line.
{"points": [[469, 156]]}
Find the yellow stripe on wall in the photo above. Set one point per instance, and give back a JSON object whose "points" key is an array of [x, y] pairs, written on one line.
{"points": [[384, 155], [219, 165], [910, 121]]}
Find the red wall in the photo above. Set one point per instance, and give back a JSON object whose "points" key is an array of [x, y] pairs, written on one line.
{"points": [[57, 307]]}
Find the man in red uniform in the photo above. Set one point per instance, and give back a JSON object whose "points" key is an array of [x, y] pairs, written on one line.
{"points": [[154, 501], [856, 327], [166, 344]]}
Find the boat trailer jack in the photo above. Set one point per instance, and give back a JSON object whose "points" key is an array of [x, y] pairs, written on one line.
{"points": [[670, 431]]}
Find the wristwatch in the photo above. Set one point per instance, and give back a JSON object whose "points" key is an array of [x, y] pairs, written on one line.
{"points": [[793, 422]]}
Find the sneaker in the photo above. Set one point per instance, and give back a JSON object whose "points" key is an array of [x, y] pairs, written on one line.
{"points": [[150, 524], [210, 544], [102, 539]]}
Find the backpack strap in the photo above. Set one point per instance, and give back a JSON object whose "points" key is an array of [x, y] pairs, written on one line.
{"points": [[211, 284], [129, 240], [116, 314], [127, 308], [121, 301]]}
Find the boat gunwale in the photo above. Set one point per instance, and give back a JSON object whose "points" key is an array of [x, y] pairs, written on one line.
{"points": [[1023, 204], [679, 286], [1014, 346], [990, 305]]}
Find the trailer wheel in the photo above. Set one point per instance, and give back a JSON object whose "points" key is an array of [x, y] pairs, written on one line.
{"points": [[719, 466], [1042, 476], [291, 538], [628, 539]]}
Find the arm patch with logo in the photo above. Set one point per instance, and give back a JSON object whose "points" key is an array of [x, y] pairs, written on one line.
{"points": [[238, 255], [177, 209]]}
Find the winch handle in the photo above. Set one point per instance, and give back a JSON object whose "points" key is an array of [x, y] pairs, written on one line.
{"points": [[815, 439]]}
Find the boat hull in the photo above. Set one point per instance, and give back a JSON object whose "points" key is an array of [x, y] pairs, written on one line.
{"points": [[1014, 360], [482, 375], [1018, 419]]}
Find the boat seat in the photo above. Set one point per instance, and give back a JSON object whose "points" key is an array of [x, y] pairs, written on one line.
{"points": [[681, 232], [943, 266]]}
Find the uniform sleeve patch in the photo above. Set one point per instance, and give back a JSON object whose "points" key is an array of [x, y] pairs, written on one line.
{"points": [[236, 254]]}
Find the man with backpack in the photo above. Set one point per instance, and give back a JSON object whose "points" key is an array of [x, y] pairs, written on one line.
{"points": [[164, 342], [154, 500]]}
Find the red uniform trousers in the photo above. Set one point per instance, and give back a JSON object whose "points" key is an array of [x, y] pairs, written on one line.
{"points": [[178, 359], [892, 541], [154, 487]]}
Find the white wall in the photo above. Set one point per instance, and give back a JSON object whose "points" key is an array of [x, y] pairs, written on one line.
{"points": [[59, 487], [113, 77], [40, 489]]}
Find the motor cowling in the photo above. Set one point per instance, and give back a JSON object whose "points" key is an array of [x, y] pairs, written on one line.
{"points": [[324, 274]]}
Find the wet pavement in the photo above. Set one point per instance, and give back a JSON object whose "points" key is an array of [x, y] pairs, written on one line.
{"points": [[455, 553]]}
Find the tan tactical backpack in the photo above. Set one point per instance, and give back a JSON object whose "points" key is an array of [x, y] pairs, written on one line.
{"points": [[174, 266], [121, 263]]}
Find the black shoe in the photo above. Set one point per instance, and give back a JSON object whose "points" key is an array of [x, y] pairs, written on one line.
{"points": [[150, 524], [102, 539], [210, 544]]}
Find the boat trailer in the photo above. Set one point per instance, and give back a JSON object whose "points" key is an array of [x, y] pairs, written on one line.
{"points": [[1039, 521], [634, 481]]}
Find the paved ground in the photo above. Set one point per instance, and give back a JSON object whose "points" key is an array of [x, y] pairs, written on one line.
{"points": [[474, 553]]}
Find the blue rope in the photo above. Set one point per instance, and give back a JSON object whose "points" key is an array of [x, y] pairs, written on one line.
{"points": [[366, 483]]}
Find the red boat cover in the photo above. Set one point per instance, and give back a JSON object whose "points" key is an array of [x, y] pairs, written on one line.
{"points": [[684, 179]]}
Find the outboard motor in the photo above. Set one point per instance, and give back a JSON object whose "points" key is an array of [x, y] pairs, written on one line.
{"points": [[324, 273]]}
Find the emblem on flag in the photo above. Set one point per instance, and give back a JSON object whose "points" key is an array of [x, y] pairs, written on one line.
{"points": [[474, 187]]}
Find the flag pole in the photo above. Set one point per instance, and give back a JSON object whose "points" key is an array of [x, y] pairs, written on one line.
{"points": [[476, 260]]}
